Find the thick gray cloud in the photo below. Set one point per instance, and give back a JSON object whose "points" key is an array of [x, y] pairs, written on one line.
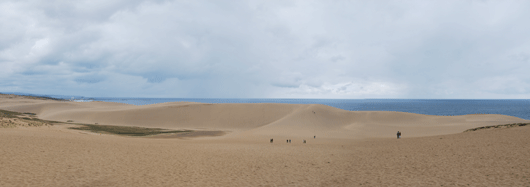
{"points": [[266, 49]]}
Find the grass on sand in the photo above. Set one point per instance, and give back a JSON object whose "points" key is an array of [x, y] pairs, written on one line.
{"points": [[12, 119], [126, 130], [498, 126]]}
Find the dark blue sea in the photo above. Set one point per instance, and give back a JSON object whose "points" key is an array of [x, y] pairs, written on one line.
{"points": [[512, 107], [443, 107]]}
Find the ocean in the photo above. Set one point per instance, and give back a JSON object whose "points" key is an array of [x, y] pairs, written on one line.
{"points": [[443, 107]]}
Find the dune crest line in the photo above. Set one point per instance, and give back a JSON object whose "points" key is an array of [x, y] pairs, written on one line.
{"points": [[266, 119]]}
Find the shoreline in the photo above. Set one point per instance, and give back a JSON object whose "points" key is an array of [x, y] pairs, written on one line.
{"points": [[29, 96], [435, 107]]}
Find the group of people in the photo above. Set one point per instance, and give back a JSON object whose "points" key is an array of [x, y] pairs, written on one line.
{"points": [[289, 140]]}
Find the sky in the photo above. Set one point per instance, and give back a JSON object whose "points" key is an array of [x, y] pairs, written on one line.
{"points": [[444, 49]]}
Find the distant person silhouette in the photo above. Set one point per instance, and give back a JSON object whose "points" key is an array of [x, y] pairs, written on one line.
{"points": [[271, 140], [398, 135]]}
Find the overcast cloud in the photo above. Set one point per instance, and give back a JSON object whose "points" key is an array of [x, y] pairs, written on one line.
{"points": [[266, 49]]}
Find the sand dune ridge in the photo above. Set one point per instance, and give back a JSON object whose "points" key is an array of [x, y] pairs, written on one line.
{"points": [[267, 119]]}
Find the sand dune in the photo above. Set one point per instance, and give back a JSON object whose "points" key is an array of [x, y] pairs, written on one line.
{"points": [[51, 156], [351, 148], [274, 120]]}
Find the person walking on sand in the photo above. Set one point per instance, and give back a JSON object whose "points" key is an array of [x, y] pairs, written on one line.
{"points": [[398, 135]]}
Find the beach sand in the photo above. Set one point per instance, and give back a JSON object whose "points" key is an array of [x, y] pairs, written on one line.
{"points": [[350, 148]]}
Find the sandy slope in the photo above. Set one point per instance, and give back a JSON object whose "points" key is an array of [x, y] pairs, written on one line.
{"points": [[351, 148], [50, 156], [272, 120]]}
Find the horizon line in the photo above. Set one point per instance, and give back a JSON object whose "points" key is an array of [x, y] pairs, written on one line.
{"points": [[85, 97]]}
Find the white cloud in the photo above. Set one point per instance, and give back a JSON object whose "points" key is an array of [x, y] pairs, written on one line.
{"points": [[310, 49], [357, 89]]}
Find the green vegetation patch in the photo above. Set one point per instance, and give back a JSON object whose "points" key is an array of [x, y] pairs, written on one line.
{"points": [[26, 118], [9, 114], [498, 126], [126, 130]]}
